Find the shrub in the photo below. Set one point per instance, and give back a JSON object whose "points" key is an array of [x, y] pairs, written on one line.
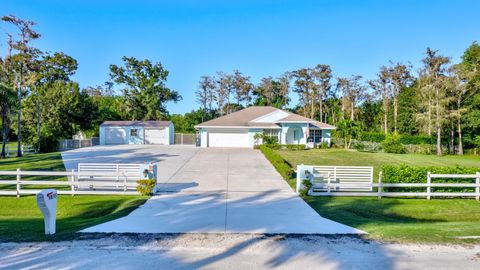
{"points": [[294, 146], [373, 137], [281, 165], [409, 174], [307, 185], [323, 145], [392, 144], [48, 144], [146, 186]]}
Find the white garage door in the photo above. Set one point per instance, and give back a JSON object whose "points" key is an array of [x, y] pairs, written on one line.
{"points": [[156, 136], [115, 136], [234, 138]]}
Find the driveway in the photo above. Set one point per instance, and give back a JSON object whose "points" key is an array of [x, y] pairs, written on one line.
{"points": [[215, 190]]}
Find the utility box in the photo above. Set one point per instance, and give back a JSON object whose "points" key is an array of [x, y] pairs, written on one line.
{"points": [[47, 202]]}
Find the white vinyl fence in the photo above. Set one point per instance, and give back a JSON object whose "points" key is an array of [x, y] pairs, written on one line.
{"points": [[95, 179], [12, 151], [355, 183]]}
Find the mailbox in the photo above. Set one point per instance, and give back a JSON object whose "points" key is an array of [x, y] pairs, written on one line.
{"points": [[47, 202]]}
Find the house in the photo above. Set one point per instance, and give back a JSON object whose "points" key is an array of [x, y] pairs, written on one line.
{"points": [[239, 128], [136, 132]]}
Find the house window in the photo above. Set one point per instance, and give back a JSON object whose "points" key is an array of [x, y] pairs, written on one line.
{"points": [[133, 132], [315, 136], [272, 134]]}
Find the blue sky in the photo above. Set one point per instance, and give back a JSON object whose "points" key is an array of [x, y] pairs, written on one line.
{"points": [[260, 38]]}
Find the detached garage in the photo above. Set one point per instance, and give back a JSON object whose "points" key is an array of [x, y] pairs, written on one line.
{"points": [[136, 132]]}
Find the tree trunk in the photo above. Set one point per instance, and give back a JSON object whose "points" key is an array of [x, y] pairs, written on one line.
{"points": [[321, 110], [38, 124], [438, 124], [19, 114], [395, 113], [452, 140], [352, 116], [460, 143], [4, 131], [385, 122]]}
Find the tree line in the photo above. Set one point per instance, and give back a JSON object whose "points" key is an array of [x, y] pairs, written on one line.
{"points": [[441, 99], [40, 103]]}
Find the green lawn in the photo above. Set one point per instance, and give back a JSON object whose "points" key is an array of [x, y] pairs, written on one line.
{"points": [[391, 219], [342, 157], [21, 220]]}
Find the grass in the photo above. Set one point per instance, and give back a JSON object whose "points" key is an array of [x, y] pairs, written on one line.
{"points": [[342, 157], [21, 220], [405, 220]]}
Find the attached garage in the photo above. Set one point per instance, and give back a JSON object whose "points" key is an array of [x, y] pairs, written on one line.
{"points": [[228, 138], [136, 132]]}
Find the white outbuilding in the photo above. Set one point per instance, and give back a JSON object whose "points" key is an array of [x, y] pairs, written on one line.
{"points": [[136, 132]]}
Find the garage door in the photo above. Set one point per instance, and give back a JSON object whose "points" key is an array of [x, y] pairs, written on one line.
{"points": [[115, 136], [234, 138], [156, 136]]}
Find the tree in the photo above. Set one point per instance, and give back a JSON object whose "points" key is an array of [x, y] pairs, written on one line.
{"points": [[50, 68], [242, 87], [408, 106], [7, 102], [348, 130], [322, 75], [206, 93], [224, 92], [353, 92], [22, 60], [400, 78], [433, 84], [145, 91], [382, 87], [272, 92]]}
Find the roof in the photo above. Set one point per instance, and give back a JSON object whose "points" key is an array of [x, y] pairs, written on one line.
{"points": [[245, 117], [152, 124], [239, 118]]}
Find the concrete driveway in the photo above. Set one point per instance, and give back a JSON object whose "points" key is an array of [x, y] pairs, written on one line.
{"points": [[218, 190]]}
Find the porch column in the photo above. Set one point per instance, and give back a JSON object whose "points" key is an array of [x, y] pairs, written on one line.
{"points": [[283, 135], [303, 140]]}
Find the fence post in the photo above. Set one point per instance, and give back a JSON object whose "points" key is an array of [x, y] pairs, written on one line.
{"points": [[117, 178], [477, 188], [181, 135], [329, 181], [299, 180], [124, 182], [380, 185], [429, 185], [72, 183], [19, 178]]}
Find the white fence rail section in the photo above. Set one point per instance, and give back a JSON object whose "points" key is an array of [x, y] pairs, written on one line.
{"points": [[12, 151], [335, 178], [340, 188], [99, 179]]}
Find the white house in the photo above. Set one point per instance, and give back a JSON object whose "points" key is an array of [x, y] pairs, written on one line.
{"points": [[136, 132], [239, 128]]}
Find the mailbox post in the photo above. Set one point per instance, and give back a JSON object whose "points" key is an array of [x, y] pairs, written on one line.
{"points": [[47, 202]]}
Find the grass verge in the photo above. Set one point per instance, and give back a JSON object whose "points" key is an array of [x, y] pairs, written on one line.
{"points": [[403, 220]]}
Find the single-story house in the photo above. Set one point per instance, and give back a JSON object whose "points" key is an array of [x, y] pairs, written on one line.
{"points": [[136, 132], [239, 128]]}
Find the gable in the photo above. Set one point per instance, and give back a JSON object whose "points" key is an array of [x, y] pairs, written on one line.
{"points": [[271, 117]]}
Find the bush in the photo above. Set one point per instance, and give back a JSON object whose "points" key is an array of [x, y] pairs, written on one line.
{"points": [[408, 174], [294, 146], [282, 166], [146, 186], [404, 138], [373, 137], [323, 145], [48, 144], [392, 144], [307, 185]]}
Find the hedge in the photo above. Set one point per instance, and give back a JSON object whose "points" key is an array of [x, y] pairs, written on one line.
{"points": [[409, 174], [276, 146], [281, 165], [404, 138]]}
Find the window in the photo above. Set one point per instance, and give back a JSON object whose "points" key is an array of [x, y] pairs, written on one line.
{"points": [[272, 135], [133, 132], [315, 136]]}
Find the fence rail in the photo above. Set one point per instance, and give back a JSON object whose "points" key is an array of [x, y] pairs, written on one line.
{"points": [[331, 188], [69, 144], [12, 151], [79, 182]]}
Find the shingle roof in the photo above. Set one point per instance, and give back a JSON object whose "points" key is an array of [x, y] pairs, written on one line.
{"points": [[136, 123], [239, 118], [244, 117]]}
